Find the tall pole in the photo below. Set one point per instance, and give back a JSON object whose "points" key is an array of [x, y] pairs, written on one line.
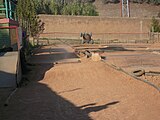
{"points": [[125, 8], [121, 8]]}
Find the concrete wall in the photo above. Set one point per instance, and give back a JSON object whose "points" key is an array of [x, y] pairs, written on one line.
{"points": [[101, 27]]}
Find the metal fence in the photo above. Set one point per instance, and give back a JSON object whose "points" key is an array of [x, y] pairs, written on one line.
{"points": [[7, 9]]}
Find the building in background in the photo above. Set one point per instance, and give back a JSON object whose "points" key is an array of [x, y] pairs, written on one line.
{"points": [[10, 37], [8, 25]]}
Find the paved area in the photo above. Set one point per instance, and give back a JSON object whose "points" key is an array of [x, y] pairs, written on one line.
{"points": [[81, 91], [8, 67]]}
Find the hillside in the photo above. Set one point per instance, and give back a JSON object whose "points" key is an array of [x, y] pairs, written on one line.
{"points": [[137, 10]]}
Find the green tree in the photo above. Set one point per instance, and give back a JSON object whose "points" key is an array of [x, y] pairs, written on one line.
{"points": [[79, 8], [89, 10], [64, 7], [155, 25], [66, 10], [28, 18], [54, 7]]}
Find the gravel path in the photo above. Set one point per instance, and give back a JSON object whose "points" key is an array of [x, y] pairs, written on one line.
{"points": [[82, 91]]}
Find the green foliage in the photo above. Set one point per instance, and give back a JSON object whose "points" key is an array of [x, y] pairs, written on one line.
{"points": [[72, 9], [155, 25], [61, 8], [75, 8], [28, 18], [36, 26], [89, 10], [54, 8], [47, 7]]}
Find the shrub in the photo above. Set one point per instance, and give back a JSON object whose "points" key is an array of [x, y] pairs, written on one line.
{"points": [[155, 25], [68, 7], [89, 10]]}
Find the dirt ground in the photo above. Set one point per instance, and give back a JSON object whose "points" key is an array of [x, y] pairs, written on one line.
{"points": [[135, 57], [80, 91]]}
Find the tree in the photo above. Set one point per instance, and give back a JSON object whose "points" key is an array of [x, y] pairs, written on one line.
{"points": [[28, 18], [155, 25], [78, 8], [65, 7], [89, 10], [53, 7]]}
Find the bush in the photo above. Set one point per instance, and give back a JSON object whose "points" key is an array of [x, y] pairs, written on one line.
{"points": [[75, 8], [155, 25], [89, 10], [69, 7]]}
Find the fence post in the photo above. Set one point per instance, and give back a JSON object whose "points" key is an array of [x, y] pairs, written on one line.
{"points": [[10, 10], [153, 34], [158, 37], [6, 7]]}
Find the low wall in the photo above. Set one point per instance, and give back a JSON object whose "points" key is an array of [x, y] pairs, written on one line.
{"points": [[102, 28]]}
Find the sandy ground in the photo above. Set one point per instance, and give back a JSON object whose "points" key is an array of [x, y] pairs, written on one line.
{"points": [[135, 57], [80, 91]]}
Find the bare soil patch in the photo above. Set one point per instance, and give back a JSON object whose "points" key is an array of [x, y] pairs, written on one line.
{"points": [[136, 57], [82, 91]]}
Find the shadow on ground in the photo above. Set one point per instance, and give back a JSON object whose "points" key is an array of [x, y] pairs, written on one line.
{"points": [[50, 49], [4, 89], [37, 101], [114, 48], [51, 55]]}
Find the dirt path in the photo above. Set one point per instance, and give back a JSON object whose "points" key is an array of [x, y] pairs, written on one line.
{"points": [[82, 91]]}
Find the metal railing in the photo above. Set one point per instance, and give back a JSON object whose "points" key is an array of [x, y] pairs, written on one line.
{"points": [[7, 9]]}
